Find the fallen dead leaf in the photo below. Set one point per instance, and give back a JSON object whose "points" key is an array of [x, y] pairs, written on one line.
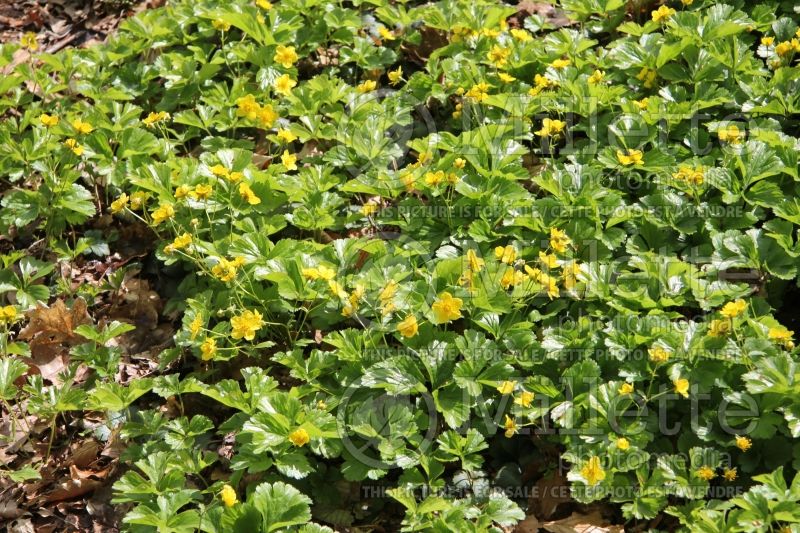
{"points": [[50, 331], [550, 492], [530, 525], [55, 324], [81, 482], [592, 522]]}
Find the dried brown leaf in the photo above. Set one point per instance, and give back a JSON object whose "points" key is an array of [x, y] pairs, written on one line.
{"points": [[592, 522]]}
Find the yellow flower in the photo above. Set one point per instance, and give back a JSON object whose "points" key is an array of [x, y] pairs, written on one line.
{"points": [[286, 136], [267, 116], [509, 278], [548, 260], [408, 327], [506, 254], [48, 120], [81, 126], [225, 270], [506, 387], [266, 5], [201, 192], [8, 314], [551, 127], [642, 104], [682, 387], [560, 63], [285, 56], [648, 77], [731, 134], [299, 437], [248, 195], [520, 35], [729, 474], [388, 292], [246, 325], [719, 328], [247, 107], [550, 284], [524, 399], [162, 213], [475, 262], [28, 40], [182, 191], [478, 92], [743, 443], [687, 2], [510, 426], [658, 354], [623, 444], [706, 473], [630, 157], [289, 160], [434, 178], [228, 496], [593, 471], [180, 242], [459, 163], [153, 118], [320, 272], [195, 326], [395, 76], [385, 34], [138, 199], [221, 25], [662, 13], [284, 84], [73, 145], [498, 55], [733, 309], [784, 48], [570, 274], [208, 349], [596, 77], [541, 83], [559, 240], [781, 336], [506, 78], [446, 308], [219, 170], [337, 289], [625, 388], [370, 208], [767, 41]]}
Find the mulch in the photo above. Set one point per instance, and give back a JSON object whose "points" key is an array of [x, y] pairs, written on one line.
{"points": [[62, 23]]}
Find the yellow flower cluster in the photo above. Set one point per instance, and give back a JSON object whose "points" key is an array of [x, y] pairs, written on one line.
{"points": [[179, 243], [541, 83], [8, 314], [246, 325], [630, 157], [731, 134], [248, 108], [225, 270], [551, 128], [662, 14], [648, 77], [162, 212], [691, 175], [153, 118], [478, 92]]}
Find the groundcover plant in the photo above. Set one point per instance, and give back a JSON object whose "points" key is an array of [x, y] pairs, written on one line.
{"points": [[378, 265]]}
